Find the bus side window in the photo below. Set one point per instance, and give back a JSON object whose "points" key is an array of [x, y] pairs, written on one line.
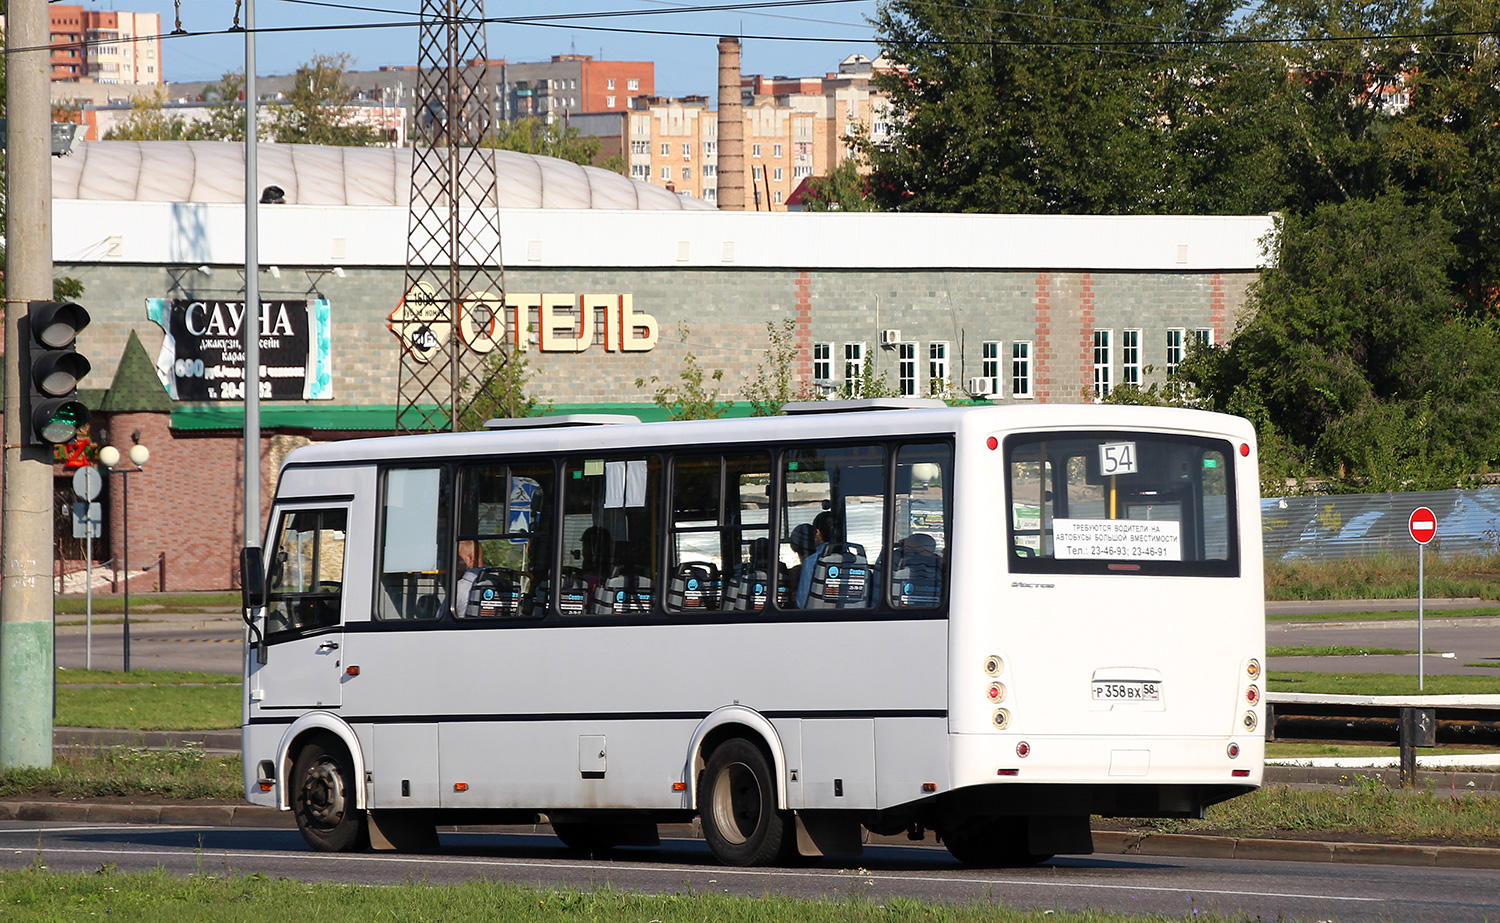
{"points": [[414, 556], [918, 556], [305, 585], [504, 554], [610, 553], [834, 501], [720, 545]]}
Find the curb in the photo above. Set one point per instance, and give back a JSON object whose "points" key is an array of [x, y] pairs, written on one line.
{"points": [[1106, 842]]}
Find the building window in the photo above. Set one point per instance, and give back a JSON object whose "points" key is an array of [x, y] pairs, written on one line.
{"points": [[757, 174], [937, 367], [1130, 358], [666, 173], [1175, 340], [640, 147], [989, 364], [687, 173], [906, 369], [609, 102], [801, 172], [854, 367], [1020, 369], [776, 151], [632, 84], [710, 194], [641, 171], [609, 84], [777, 197], [710, 148], [1101, 364], [710, 170], [687, 149], [822, 362], [755, 150], [666, 149], [778, 174]]}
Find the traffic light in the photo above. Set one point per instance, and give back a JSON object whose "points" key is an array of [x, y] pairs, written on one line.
{"points": [[52, 368]]}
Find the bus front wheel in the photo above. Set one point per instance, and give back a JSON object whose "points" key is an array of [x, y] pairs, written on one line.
{"points": [[737, 806], [323, 796]]}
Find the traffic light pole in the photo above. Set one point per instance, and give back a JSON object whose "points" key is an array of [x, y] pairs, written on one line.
{"points": [[26, 532]]}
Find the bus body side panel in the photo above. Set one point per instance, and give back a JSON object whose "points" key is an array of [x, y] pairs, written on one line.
{"points": [[523, 712], [1054, 634]]}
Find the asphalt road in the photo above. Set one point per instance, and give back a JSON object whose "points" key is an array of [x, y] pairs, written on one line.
{"points": [[1243, 888], [1469, 640], [158, 641]]}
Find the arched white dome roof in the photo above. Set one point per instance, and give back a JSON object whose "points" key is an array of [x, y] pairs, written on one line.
{"points": [[309, 174]]}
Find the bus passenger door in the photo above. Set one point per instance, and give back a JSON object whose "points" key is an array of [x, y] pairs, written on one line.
{"points": [[304, 632]]}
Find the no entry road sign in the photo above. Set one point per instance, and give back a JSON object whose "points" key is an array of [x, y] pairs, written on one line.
{"points": [[1422, 525]]}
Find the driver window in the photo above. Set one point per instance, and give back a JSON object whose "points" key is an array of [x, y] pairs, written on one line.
{"points": [[306, 576]]}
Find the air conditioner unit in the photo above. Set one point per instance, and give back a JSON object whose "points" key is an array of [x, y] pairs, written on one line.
{"points": [[890, 337], [981, 387]]}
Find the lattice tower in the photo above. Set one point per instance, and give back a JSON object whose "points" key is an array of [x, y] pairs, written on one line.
{"points": [[451, 320]]}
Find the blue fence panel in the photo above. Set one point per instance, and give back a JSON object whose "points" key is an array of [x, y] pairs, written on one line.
{"points": [[1350, 525]]}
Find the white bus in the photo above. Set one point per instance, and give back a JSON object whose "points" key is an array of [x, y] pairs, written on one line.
{"points": [[988, 623]]}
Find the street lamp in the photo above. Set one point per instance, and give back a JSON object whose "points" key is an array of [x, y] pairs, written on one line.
{"points": [[109, 456]]}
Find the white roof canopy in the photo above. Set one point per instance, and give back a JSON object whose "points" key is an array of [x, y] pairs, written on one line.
{"points": [[214, 172]]}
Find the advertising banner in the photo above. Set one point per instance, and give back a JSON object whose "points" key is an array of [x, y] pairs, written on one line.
{"points": [[203, 357]]}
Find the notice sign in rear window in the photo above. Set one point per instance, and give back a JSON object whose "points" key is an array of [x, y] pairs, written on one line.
{"points": [[1117, 539]]}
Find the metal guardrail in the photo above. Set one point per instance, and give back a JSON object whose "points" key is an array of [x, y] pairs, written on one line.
{"points": [[1409, 721]]}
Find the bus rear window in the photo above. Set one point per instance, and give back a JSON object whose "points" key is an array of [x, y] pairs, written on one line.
{"points": [[1126, 502]]}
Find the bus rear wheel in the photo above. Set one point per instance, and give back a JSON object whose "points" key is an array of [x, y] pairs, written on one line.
{"points": [[323, 796], [737, 806]]}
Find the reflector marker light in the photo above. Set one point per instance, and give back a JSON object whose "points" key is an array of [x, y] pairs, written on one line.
{"points": [[1023, 749], [352, 670], [460, 786], [267, 786], [1240, 773], [1245, 449], [679, 786], [1233, 749], [992, 443], [1007, 772], [929, 787]]}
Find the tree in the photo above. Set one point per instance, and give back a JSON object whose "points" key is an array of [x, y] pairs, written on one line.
{"points": [[226, 111], [318, 110], [843, 189], [775, 381], [149, 121], [1356, 354], [1034, 112], [502, 393], [692, 399], [534, 136]]}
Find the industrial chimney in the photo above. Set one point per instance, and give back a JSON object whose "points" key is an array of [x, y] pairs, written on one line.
{"points": [[731, 128]]}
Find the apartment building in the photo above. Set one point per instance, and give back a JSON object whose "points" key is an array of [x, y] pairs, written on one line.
{"points": [[795, 127], [104, 46]]}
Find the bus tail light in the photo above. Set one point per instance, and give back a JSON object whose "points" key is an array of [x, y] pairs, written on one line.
{"points": [[1252, 694], [1001, 719], [1250, 721], [1023, 749], [996, 693]]}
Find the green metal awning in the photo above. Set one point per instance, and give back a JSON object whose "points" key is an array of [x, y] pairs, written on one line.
{"points": [[373, 418]]}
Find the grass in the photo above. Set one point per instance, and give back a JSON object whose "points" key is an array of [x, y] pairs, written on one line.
{"points": [[1384, 576], [36, 894], [146, 677], [105, 772], [1330, 650], [146, 602], [1287, 750], [1365, 809], [1379, 684], [150, 708], [1384, 615]]}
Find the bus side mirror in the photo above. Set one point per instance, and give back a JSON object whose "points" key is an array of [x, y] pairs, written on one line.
{"points": [[252, 577]]}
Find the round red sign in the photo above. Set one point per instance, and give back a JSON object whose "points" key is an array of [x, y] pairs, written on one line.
{"points": [[1422, 525]]}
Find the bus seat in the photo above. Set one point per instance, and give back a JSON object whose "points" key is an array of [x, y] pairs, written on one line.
{"points": [[841, 577], [496, 592], [621, 595], [694, 587]]}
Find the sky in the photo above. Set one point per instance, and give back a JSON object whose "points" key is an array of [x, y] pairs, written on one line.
{"points": [[774, 40]]}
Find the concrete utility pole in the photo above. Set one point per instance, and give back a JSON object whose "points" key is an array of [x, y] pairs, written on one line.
{"points": [[26, 532]]}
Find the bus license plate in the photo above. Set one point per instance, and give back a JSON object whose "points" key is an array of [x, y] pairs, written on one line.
{"points": [[1126, 690]]}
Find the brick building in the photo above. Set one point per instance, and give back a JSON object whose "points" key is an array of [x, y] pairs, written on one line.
{"points": [[104, 46], [1017, 309], [795, 127]]}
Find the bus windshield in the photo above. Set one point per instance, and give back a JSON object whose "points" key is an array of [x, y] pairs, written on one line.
{"points": [[1121, 502]]}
